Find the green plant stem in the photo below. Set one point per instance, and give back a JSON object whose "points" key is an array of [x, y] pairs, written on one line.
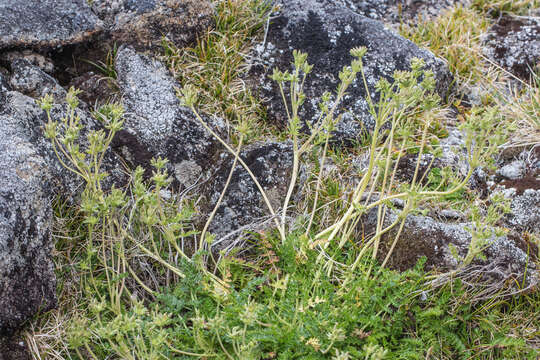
{"points": [[222, 195]]}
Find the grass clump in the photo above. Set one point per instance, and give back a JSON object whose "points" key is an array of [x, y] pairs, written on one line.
{"points": [[455, 36], [215, 65], [496, 8]]}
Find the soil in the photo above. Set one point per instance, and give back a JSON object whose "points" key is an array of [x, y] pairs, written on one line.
{"points": [[527, 182]]}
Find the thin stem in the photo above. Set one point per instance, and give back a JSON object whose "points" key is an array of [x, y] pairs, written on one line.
{"points": [[222, 195]]}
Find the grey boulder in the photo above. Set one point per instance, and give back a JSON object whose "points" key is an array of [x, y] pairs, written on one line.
{"points": [[443, 244], [156, 123], [46, 23], [243, 207], [27, 280], [31, 176], [514, 44], [327, 31]]}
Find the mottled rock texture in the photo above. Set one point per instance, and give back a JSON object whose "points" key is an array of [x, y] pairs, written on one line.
{"points": [[27, 280], [514, 43], [30, 173], [525, 210], [143, 23], [30, 177], [31, 84], [50, 25], [12, 348], [30, 80], [243, 206], [518, 178], [4, 87], [46, 23], [36, 59], [327, 31], [425, 236], [156, 124]]}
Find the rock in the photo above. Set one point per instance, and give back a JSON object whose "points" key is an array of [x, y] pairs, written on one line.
{"points": [[4, 87], [143, 23], [514, 43], [27, 280], [518, 179], [158, 125], [42, 62], [13, 348], [96, 89], [327, 32], [32, 81], [75, 36], [524, 208], [424, 236], [243, 207], [30, 177], [23, 110], [515, 170], [46, 23], [407, 166]]}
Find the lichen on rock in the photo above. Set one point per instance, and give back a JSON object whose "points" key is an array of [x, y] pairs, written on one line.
{"points": [[326, 31], [514, 43], [156, 123], [445, 245], [46, 23], [243, 207]]}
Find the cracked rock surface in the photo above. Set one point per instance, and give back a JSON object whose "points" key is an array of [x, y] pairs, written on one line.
{"points": [[50, 24], [514, 43], [243, 205], [143, 23], [326, 31], [156, 123], [46, 23]]}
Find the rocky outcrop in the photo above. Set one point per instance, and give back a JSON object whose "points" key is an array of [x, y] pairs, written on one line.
{"points": [[143, 24], [49, 24], [46, 23], [514, 44], [39, 41], [243, 207], [156, 123], [327, 31], [27, 280], [445, 245], [30, 177]]}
